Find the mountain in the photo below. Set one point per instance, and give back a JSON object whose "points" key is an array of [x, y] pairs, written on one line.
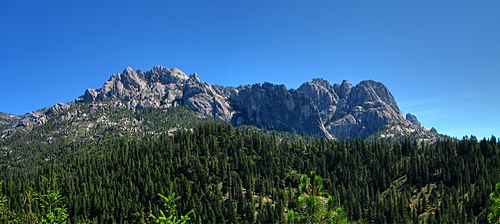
{"points": [[114, 149], [340, 111]]}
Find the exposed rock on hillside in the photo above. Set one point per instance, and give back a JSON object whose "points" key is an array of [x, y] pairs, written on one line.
{"points": [[412, 119], [7, 120], [275, 107], [161, 88]]}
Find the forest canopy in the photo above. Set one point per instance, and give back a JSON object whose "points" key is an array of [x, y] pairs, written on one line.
{"points": [[243, 175]]}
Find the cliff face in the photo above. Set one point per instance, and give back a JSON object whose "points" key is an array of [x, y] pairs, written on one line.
{"points": [[275, 107], [340, 111], [362, 110]]}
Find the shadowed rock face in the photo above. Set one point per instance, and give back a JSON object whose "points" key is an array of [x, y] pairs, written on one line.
{"points": [[275, 107], [341, 111]]}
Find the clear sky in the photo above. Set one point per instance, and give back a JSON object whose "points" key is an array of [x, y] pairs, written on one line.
{"points": [[440, 59]]}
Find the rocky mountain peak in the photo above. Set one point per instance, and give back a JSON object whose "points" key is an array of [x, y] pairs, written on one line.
{"points": [[343, 89], [412, 119], [375, 91], [433, 130], [195, 78], [131, 80], [165, 75], [128, 70], [323, 96], [372, 92], [320, 82], [89, 96], [160, 87]]}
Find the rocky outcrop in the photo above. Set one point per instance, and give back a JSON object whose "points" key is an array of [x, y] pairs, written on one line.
{"points": [[161, 87], [433, 130], [322, 95], [275, 107], [352, 111], [41, 116], [363, 110], [7, 120], [412, 119]]}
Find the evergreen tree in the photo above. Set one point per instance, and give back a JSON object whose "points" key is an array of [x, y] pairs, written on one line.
{"points": [[51, 203], [315, 205], [494, 215], [169, 214]]}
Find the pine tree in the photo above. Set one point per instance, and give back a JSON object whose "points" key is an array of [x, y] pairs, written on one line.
{"points": [[315, 205], [169, 214], [494, 215], [51, 202]]}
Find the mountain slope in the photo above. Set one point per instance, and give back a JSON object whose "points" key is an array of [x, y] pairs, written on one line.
{"points": [[7, 120], [316, 108]]}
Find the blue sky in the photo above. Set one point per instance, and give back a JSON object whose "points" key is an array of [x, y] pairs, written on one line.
{"points": [[439, 58]]}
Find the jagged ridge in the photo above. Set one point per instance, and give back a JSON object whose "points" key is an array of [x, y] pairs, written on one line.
{"points": [[340, 111]]}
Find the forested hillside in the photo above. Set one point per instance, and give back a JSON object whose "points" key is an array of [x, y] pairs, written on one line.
{"points": [[239, 175]]}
